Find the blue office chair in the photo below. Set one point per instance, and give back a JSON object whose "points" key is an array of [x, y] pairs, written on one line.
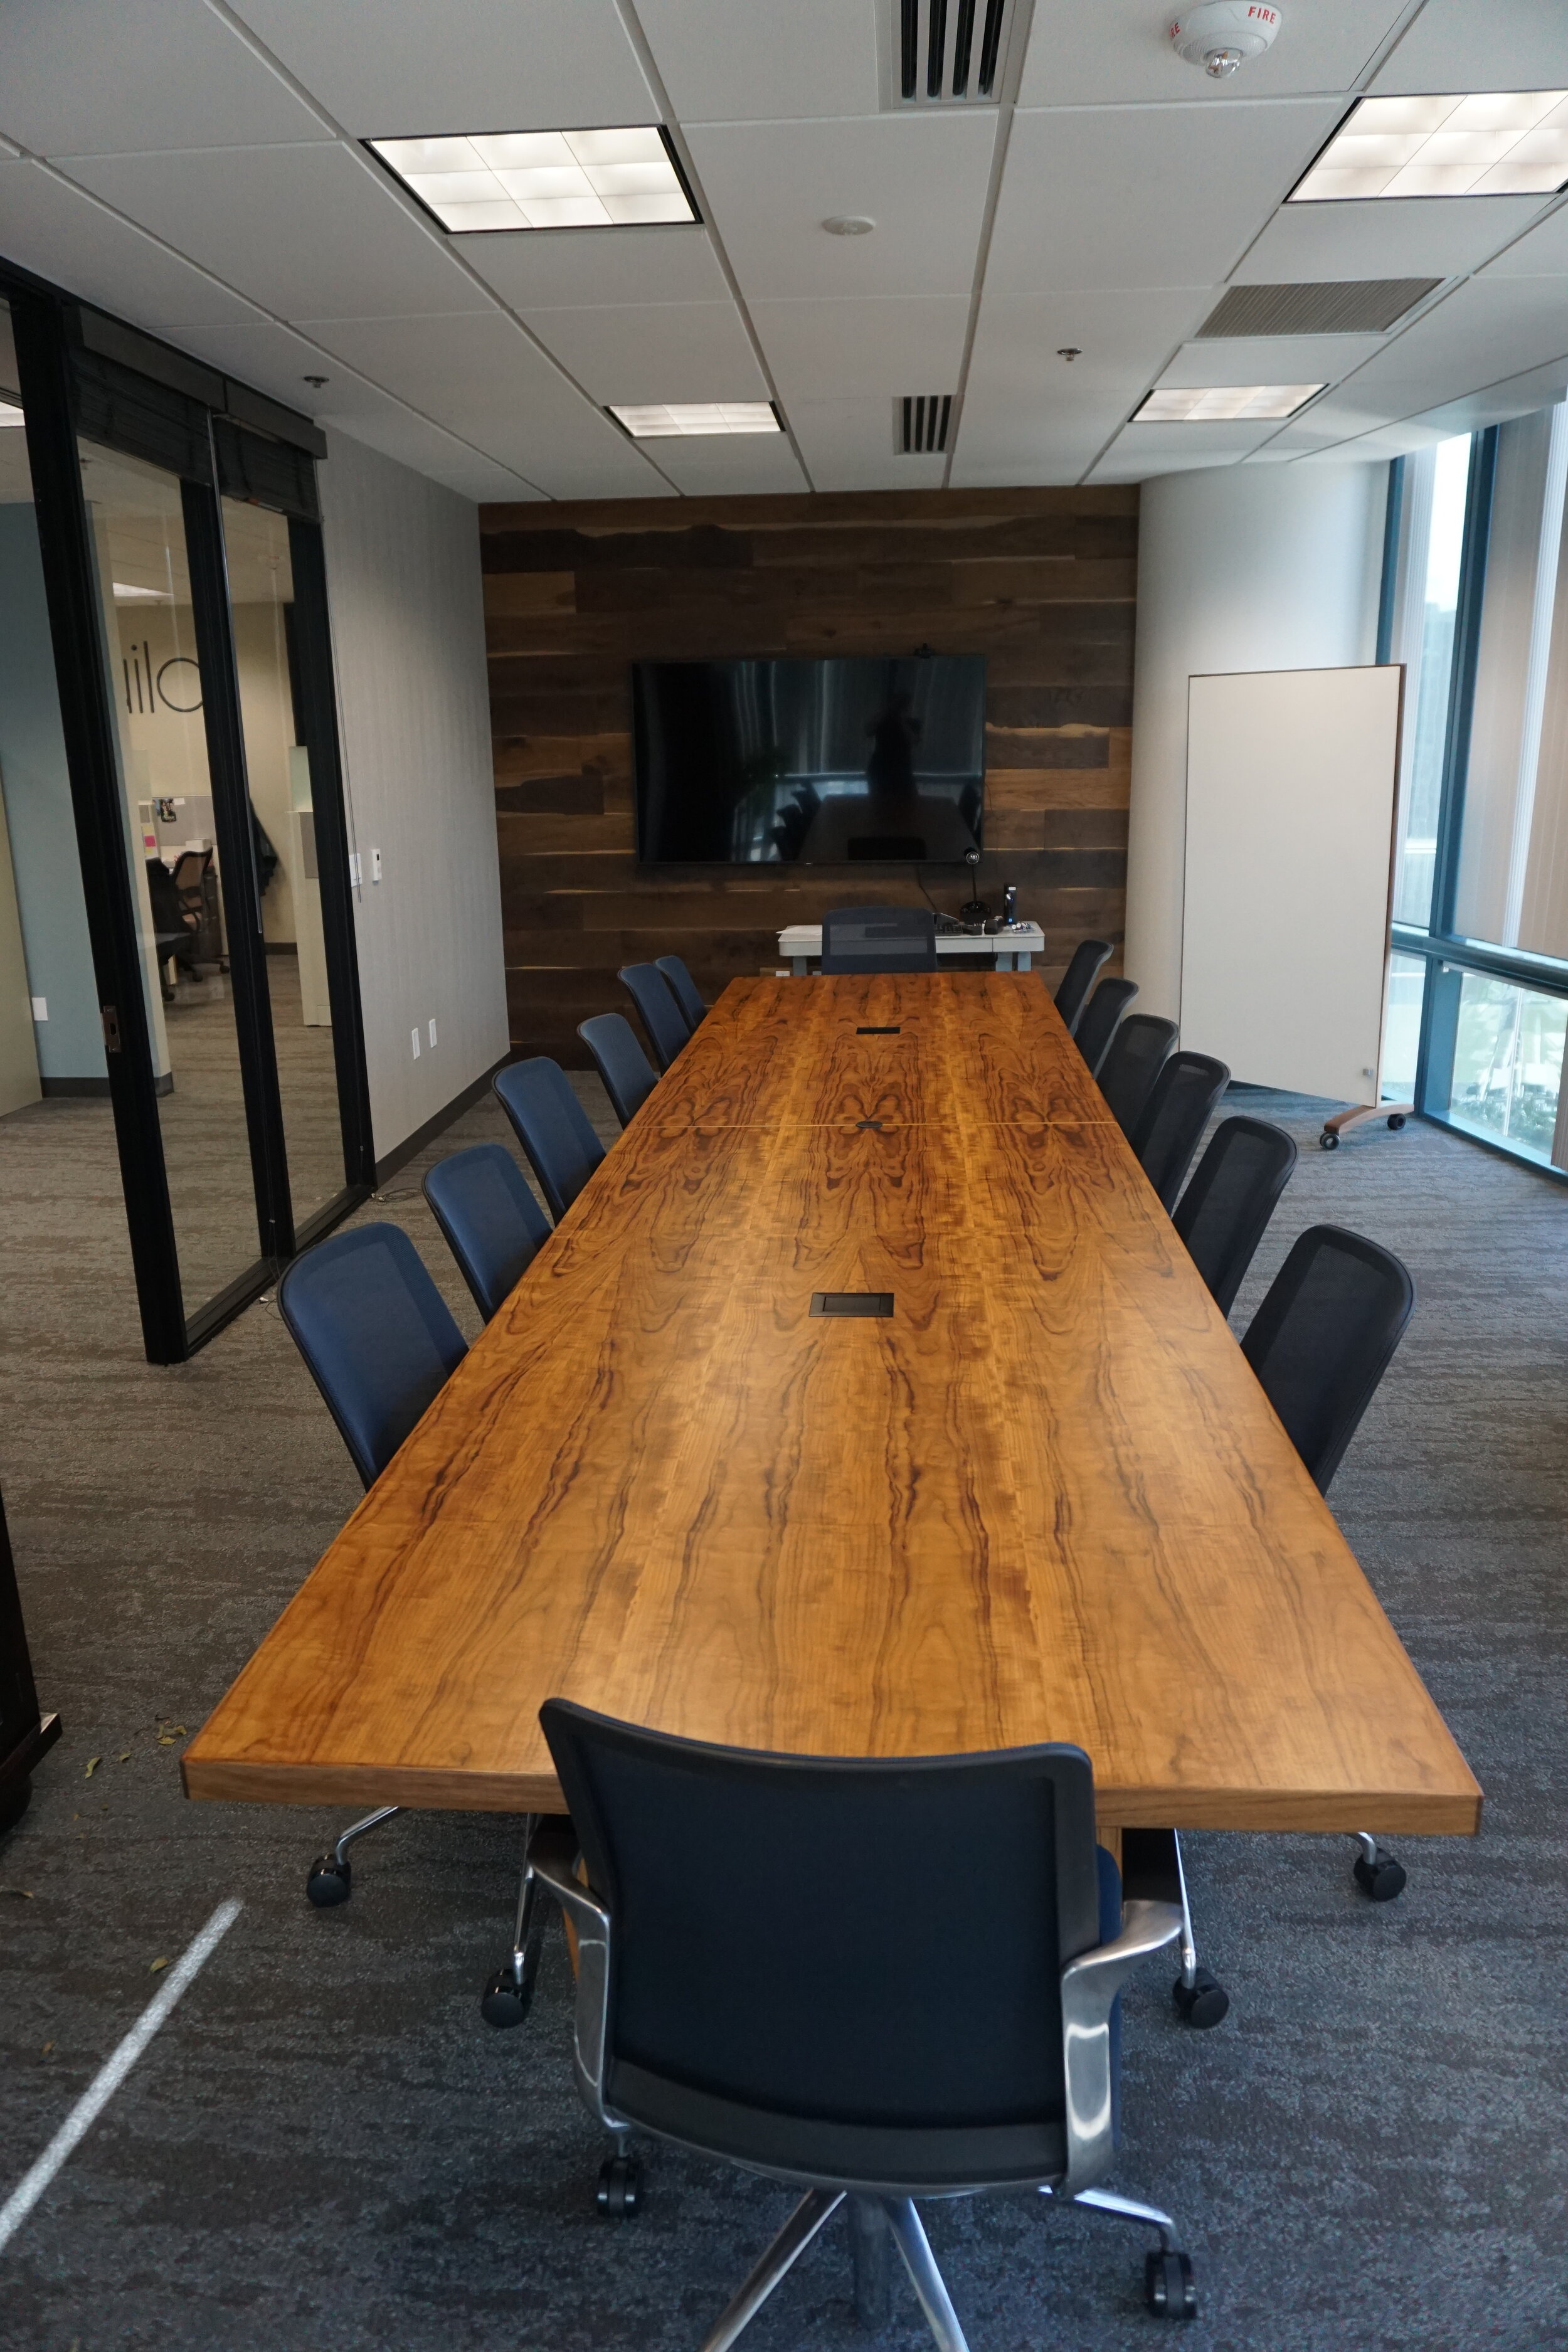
{"points": [[832, 2029], [1171, 1122], [629, 1076], [1234, 1189], [552, 1126], [879, 939], [1097, 1022], [1137, 1054], [492, 1223], [661, 1016], [380, 1344], [1075, 983], [685, 989]]}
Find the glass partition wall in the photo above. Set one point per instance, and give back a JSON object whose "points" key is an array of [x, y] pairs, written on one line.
{"points": [[185, 589]]}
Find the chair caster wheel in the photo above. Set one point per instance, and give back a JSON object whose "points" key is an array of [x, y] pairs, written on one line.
{"points": [[1397, 1121], [1329, 1141], [1200, 2003], [1380, 1880], [1168, 2287], [330, 1882], [504, 2001], [619, 2194]]}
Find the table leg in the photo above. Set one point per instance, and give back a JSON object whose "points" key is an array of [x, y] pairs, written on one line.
{"points": [[1024, 961], [1005, 960], [871, 2248], [800, 966]]}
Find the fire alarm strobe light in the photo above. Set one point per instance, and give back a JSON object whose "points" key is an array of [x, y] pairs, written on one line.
{"points": [[1220, 35]]}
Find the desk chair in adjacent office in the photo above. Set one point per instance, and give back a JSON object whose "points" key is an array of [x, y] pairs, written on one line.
{"points": [[684, 989], [1320, 1344], [1136, 1057], [379, 1342], [1224, 1210], [630, 1078], [831, 2027], [552, 1126], [492, 1224], [879, 939], [1171, 1123], [661, 1016], [1097, 1022], [1072, 989]]}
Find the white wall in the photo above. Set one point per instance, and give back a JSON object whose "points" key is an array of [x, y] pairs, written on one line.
{"points": [[1243, 568], [403, 579]]}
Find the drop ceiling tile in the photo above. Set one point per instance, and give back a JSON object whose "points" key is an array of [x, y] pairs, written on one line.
{"points": [[1118, 51], [306, 232], [1485, 331], [120, 76], [277, 361], [1404, 236], [753, 61], [429, 451], [886, 345], [569, 269], [1054, 442], [1141, 196], [50, 225], [1499, 45], [1540, 252], [1270, 359], [922, 179], [848, 445], [383, 69], [745, 465], [1139, 452], [653, 351]]}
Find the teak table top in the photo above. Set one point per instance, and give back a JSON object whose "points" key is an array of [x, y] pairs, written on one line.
{"points": [[1045, 1499]]}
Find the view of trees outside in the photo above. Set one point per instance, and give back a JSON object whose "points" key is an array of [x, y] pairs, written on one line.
{"points": [[1508, 1062]]}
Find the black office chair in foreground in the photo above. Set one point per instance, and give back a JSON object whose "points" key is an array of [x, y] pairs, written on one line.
{"points": [[1223, 1214], [629, 1076], [659, 1014], [1097, 1022], [685, 990], [1137, 1054], [836, 2029], [1320, 1344], [1171, 1124], [492, 1224], [1079, 978], [380, 1344], [879, 939], [552, 1126]]}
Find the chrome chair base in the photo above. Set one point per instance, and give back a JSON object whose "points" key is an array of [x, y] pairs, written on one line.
{"points": [[330, 1879]]}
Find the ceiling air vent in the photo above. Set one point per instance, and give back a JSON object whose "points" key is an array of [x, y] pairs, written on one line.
{"points": [[945, 52], [1358, 306], [920, 423]]}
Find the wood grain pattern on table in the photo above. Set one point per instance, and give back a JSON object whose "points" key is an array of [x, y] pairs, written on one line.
{"points": [[1045, 1500]]}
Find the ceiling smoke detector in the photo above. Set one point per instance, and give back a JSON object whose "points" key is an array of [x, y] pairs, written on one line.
{"points": [[1220, 35]]}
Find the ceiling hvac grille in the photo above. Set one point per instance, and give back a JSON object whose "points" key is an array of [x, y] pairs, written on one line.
{"points": [[921, 422], [946, 52], [1361, 306]]}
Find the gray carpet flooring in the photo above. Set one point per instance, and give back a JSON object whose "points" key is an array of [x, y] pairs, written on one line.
{"points": [[326, 2150]]}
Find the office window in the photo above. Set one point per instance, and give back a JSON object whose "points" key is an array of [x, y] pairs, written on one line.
{"points": [[1435, 484], [1508, 1065], [1402, 1027]]}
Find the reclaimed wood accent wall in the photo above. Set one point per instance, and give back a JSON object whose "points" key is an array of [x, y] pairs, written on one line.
{"points": [[1042, 581]]}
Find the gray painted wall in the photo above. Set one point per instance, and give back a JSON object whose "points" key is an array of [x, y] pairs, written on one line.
{"points": [[38, 812], [403, 578]]}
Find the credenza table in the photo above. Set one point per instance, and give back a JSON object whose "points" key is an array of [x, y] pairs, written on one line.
{"points": [[1043, 1498], [1012, 948]]}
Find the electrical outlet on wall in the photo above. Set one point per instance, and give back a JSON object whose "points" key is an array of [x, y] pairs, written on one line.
{"points": [[432, 1033], [40, 1008], [376, 865], [415, 1035]]}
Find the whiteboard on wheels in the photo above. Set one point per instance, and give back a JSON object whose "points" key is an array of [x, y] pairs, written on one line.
{"points": [[1291, 784]]}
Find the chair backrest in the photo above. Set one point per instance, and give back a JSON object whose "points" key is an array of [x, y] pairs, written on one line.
{"points": [[492, 1223], [1135, 1061], [1097, 1022], [552, 1126], [1079, 978], [1324, 1336], [1225, 1210], [879, 939], [684, 989], [660, 1015], [1171, 1123], [629, 1076], [783, 1986], [376, 1334]]}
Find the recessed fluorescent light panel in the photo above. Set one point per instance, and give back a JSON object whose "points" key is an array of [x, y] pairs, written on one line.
{"points": [[1223, 403], [541, 179], [691, 419], [1496, 143]]}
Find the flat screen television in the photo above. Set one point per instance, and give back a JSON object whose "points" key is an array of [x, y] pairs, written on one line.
{"points": [[809, 763]]}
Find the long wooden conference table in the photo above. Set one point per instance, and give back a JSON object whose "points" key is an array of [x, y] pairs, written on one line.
{"points": [[1043, 1498]]}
